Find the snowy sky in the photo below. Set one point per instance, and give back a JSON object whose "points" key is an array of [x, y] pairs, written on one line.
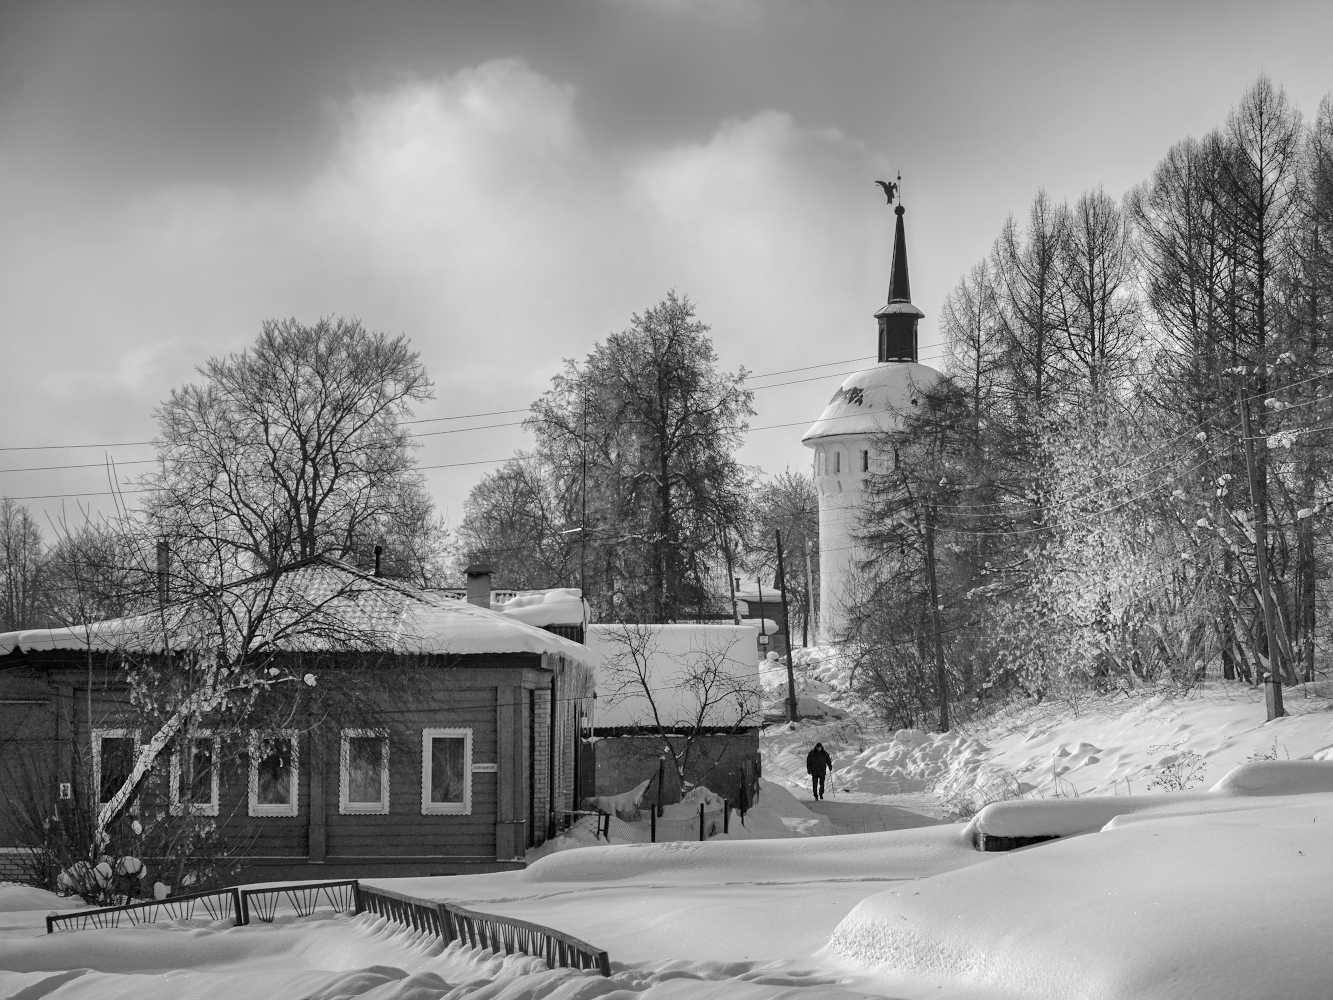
{"points": [[506, 183]]}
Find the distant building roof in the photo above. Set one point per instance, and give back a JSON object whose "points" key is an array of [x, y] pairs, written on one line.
{"points": [[554, 606], [324, 604]]}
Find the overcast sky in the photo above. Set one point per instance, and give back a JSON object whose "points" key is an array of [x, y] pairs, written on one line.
{"points": [[506, 183]]}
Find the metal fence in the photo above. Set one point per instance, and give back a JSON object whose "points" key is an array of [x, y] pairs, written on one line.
{"points": [[222, 904], [483, 930], [303, 897], [447, 921]]}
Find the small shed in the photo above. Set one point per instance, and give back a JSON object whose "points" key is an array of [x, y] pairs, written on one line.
{"points": [[464, 765], [685, 684]]}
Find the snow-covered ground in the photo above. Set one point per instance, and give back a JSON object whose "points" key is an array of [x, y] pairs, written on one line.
{"points": [[1106, 745], [1195, 893]]}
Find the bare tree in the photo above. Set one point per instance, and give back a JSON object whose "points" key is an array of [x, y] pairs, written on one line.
{"points": [[523, 520], [21, 567], [1099, 308], [293, 448], [788, 503], [680, 698]]}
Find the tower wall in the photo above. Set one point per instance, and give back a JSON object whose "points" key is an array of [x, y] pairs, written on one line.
{"points": [[841, 495]]}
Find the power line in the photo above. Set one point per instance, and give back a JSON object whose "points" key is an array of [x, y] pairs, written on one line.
{"points": [[458, 416], [425, 434]]}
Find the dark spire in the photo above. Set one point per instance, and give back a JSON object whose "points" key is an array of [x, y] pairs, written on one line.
{"points": [[900, 290], [897, 320]]}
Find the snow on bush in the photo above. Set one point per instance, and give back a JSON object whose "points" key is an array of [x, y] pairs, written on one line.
{"points": [[109, 880]]}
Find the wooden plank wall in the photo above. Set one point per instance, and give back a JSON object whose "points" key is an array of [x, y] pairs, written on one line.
{"points": [[505, 700], [405, 831]]}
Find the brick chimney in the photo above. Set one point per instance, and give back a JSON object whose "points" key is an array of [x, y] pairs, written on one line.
{"points": [[479, 585]]}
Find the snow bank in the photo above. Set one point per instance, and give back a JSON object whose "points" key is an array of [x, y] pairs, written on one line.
{"points": [[1278, 777], [17, 898], [898, 854], [777, 813], [1166, 907]]}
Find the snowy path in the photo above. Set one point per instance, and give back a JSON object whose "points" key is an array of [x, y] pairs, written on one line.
{"points": [[868, 816]]}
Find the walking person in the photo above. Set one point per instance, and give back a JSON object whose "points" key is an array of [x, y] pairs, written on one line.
{"points": [[817, 762]]}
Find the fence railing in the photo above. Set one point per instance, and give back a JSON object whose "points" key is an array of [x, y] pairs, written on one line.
{"points": [[222, 904], [484, 930], [304, 897], [447, 921]]}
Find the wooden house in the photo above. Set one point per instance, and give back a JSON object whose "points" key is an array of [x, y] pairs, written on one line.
{"points": [[461, 767]]}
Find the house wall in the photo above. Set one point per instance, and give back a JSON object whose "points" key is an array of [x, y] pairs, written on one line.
{"points": [[505, 699]]}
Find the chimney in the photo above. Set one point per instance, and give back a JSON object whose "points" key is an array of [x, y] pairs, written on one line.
{"points": [[163, 571], [379, 551], [479, 585]]}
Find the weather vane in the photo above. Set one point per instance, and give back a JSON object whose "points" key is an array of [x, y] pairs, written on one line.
{"points": [[892, 188]]}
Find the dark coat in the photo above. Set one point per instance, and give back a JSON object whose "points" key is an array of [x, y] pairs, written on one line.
{"points": [[817, 761]]}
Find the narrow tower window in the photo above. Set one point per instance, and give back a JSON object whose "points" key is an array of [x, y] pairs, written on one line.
{"points": [[865, 461], [837, 462]]}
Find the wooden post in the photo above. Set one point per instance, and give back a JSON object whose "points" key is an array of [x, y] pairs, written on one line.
{"points": [[65, 749], [316, 828], [941, 679], [701, 821], [661, 777], [508, 784], [1273, 683], [652, 827], [550, 794]]}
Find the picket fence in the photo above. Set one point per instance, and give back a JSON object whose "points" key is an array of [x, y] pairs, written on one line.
{"points": [[447, 921]]}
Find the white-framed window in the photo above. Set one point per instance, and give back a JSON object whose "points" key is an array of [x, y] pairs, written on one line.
{"points": [[114, 751], [363, 786], [837, 463], [194, 774], [446, 772], [275, 773]]}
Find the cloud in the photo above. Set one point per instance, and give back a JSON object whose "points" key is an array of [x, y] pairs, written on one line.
{"points": [[475, 213]]}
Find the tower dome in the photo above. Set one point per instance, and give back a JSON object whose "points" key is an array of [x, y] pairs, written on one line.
{"points": [[845, 438]]}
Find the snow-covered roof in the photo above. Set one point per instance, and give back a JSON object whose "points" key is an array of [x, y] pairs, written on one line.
{"points": [[872, 401], [894, 308], [557, 606], [324, 604], [749, 592]]}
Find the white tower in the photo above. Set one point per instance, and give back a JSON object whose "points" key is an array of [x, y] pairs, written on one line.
{"points": [[867, 405]]}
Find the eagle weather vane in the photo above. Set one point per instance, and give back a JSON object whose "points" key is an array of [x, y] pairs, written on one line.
{"points": [[891, 188]]}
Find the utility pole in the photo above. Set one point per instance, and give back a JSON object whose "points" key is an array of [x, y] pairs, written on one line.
{"points": [[1273, 682], [763, 635], [786, 624], [809, 599], [731, 580], [583, 523], [941, 681]]}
